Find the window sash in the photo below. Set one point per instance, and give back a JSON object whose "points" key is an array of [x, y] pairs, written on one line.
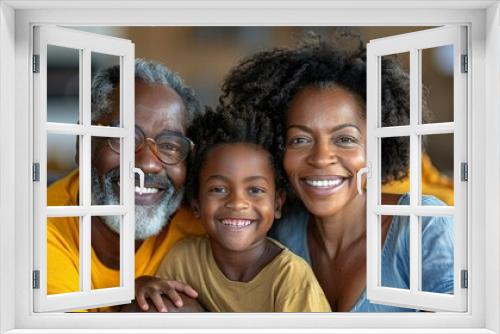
{"points": [[412, 43], [86, 43]]}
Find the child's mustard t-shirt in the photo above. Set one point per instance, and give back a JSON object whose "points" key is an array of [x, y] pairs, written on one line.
{"points": [[63, 262], [286, 284]]}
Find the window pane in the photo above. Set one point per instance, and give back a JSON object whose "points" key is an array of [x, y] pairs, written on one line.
{"points": [[105, 262], [105, 171], [437, 84], [437, 169], [437, 254], [106, 103], [63, 277], [395, 241], [63, 84], [61, 155], [393, 115], [394, 169]]}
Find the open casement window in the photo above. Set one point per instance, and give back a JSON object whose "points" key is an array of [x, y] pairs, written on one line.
{"points": [[418, 211], [82, 49]]}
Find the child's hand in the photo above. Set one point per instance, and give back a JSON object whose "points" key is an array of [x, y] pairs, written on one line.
{"points": [[153, 287]]}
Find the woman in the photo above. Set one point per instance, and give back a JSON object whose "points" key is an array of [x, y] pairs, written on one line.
{"points": [[316, 95]]}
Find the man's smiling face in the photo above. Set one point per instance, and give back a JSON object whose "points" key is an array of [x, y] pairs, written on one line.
{"points": [[157, 109]]}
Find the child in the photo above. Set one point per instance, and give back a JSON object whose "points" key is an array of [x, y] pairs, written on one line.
{"points": [[232, 190]]}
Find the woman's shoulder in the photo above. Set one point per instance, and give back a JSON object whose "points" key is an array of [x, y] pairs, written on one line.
{"points": [[426, 200], [431, 226], [294, 217], [291, 230], [444, 222]]}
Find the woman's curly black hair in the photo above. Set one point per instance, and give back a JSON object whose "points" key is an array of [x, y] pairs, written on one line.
{"points": [[227, 125], [268, 81]]}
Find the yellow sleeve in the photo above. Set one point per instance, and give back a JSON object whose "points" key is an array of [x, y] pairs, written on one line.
{"points": [[62, 259], [62, 239]]}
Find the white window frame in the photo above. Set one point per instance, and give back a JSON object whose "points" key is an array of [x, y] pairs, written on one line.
{"points": [[413, 43], [85, 44], [16, 21]]}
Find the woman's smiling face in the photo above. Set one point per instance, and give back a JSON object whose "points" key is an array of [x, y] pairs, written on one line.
{"points": [[324, 148]]}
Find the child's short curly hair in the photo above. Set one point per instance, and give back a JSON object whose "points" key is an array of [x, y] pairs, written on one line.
{"points": [[269, 80], [228, 125]]}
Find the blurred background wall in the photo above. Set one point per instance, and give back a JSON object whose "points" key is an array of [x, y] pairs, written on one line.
{"points": [[203, 56]]}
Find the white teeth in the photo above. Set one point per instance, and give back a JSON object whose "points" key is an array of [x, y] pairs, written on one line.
{"points": [[236, 222], [324, 183], [146, 190]]}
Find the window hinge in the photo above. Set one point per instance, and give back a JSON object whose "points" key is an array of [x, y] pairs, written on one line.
{"points": [[36, 279], [464, 279], [36, 63], [465, 64], [36, 171], [464, 171]]}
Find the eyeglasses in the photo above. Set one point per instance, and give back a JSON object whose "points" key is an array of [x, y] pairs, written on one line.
{"points": [[169, 147]]}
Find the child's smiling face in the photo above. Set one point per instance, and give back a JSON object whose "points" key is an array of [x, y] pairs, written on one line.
{"points": [[237, 199]]}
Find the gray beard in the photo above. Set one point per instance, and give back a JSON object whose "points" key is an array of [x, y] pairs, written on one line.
{"points": [[149, 219]]}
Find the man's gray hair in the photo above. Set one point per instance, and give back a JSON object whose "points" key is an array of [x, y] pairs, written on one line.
{"points": [[149, 72]]}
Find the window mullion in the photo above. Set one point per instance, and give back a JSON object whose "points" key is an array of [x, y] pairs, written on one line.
{"points": [[127, 119], [414, 121], [414, 254], [373, 147], [85, 253], [415, 167], [85, 170]]}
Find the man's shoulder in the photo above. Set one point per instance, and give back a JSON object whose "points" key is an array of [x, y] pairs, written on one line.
{"points": [[185, 223], [62, 233], [62, 226]]}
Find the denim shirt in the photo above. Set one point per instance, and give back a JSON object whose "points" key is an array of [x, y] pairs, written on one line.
{"points": [[437, 251]]}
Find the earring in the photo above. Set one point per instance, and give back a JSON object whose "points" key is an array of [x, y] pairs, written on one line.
{"points": [[359, 176]]}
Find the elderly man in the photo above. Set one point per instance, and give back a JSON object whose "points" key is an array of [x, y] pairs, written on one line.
{"points": [[164, 108]]}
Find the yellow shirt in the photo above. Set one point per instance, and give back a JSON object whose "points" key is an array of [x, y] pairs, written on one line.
{"points": [[63, 241], [286, 284]]}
